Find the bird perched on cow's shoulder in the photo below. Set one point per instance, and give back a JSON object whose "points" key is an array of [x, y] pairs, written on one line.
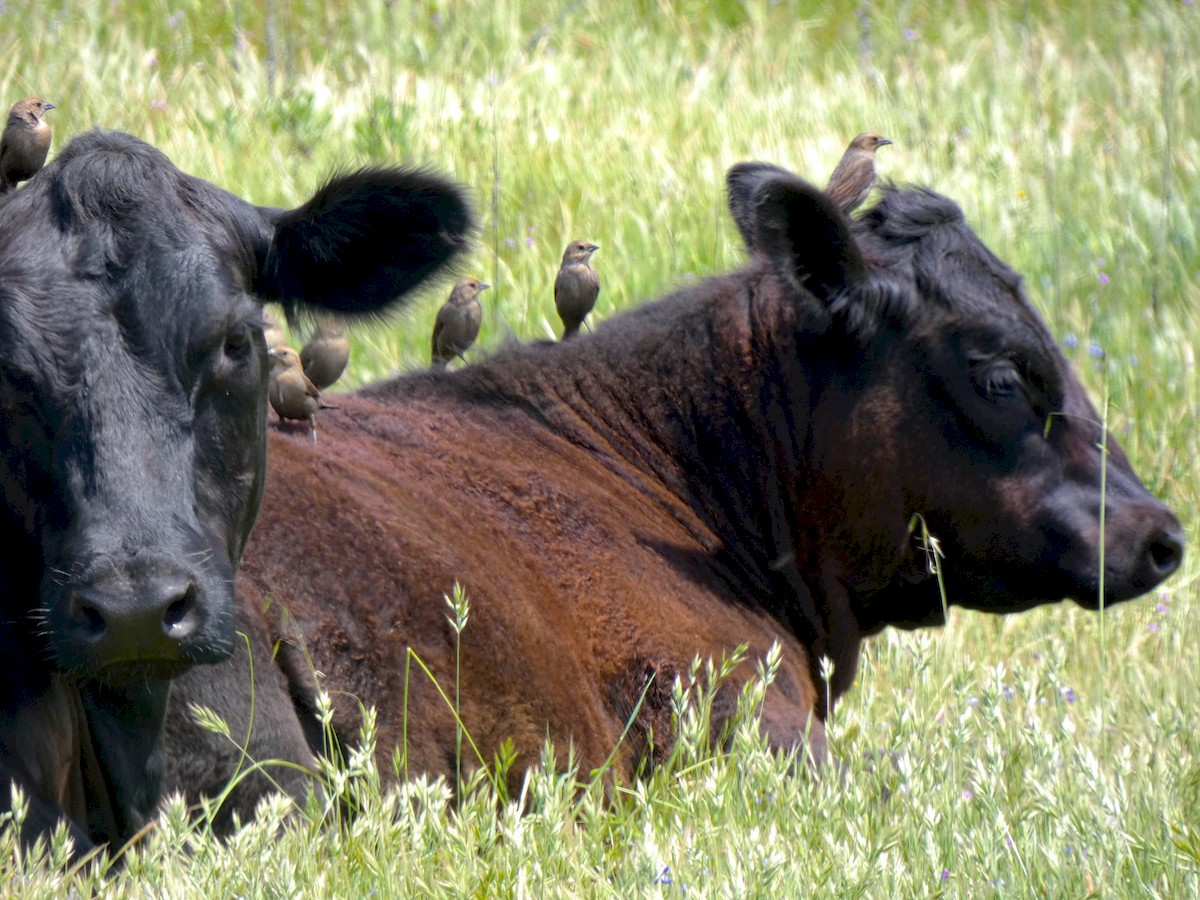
{"points": [[25, 142], [854, 176], [458, 321], [291, 393], [326, 354], [576, 287]]}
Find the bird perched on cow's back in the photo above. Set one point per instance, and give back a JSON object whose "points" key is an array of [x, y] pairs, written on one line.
{"points": [[854, 176], [291, 393], [25, 142], [325, 355], [576, 287], [458, 321]]}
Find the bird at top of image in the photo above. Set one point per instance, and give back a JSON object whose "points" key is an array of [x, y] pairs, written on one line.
{"points": [[854, 176], [291, 394], [25, 142], [272, 330], [576, 286], [458, 321], [326, 354]]}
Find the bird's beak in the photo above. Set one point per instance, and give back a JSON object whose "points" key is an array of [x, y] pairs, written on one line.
{"points": [[484, 286], [883, 141], [592, 248], [46, 106], [271, 352]]}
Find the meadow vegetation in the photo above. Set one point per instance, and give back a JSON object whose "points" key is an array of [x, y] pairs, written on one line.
{"points": [[1053, 753]]}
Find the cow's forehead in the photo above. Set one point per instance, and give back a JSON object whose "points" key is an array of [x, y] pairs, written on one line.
{"points": [[113, 235], [922, 238]]}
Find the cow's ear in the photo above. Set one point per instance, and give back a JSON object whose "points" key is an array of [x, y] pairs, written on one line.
{"points": [[741, 181], [803, 234], [364, 240]]}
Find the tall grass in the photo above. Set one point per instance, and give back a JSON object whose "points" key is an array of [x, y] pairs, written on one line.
{"points": [[1051, 753]]}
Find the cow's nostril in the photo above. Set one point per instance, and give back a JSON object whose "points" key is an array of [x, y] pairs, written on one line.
{"points": [[179, 617], [89, 621], [1166, 553]]}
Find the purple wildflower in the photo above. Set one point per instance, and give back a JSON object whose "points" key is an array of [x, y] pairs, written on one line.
{"points": [[1103, 276], [910, 34], [664, 877], [1070, 341], [1153, 626], [1068, 694], [945, 874]]}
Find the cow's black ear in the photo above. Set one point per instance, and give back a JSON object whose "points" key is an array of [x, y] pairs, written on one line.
{"points": [[804, 235], [741, 181], [364, 240]]}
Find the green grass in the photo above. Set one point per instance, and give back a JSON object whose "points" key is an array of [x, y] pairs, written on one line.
{"points": [[1053, 753]]}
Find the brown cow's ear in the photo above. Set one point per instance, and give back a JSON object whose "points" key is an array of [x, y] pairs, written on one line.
{"points": [[805, 236], [364, 240], [741, 181]]}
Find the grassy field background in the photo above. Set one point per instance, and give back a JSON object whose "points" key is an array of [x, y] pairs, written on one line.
{"points": [[1053, 753]]}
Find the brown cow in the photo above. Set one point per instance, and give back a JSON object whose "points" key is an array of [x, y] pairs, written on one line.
{"points": [[739, 462]]}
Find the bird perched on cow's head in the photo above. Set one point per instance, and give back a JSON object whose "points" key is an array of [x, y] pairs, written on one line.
{"points": [[854, 176], [25, 142], [458, 321], [576, 287]]}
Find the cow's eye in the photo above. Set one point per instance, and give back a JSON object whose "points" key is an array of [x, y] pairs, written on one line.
{"points": [[1001, 380], [238, 343]]}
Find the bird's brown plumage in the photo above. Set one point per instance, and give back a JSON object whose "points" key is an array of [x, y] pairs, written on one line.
{"points": [[291, 393], [576, 287], [326, 354], [25, 142], [458, 321], [854, 176]]}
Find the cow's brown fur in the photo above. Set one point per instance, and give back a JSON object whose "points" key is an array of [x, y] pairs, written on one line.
{"points": [[739, 463]]}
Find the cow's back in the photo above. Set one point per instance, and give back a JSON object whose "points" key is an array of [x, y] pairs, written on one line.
{"points": [[584, 576]]}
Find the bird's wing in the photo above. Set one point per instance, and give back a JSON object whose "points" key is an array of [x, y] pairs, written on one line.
{"points": [[437, 330]]}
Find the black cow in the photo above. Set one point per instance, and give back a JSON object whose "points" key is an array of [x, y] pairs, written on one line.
{"points": [[133, 377]]}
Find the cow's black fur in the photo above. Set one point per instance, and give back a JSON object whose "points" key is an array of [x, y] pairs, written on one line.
{"points": [[133, 446]]}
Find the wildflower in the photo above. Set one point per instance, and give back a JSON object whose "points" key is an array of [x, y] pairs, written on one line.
{"points": [[158, 104], [910, 34], [1070, 341], [664, 877], [528, 241], [1103, 277], [967, 795], [945, 874], [1068, 694], [1096, 350], [1007, 692], [972, 701], [1153, 626], [1162, 607]]}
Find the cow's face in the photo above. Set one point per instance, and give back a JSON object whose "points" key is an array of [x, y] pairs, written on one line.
{"points": [[133, 377], [945, 401]]}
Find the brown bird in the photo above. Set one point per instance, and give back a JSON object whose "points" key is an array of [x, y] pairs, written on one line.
{"points": [[576, 287], [326, 354], [854, 176], [291, 393], [272, 331], [458, 322], [25, 142]]}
